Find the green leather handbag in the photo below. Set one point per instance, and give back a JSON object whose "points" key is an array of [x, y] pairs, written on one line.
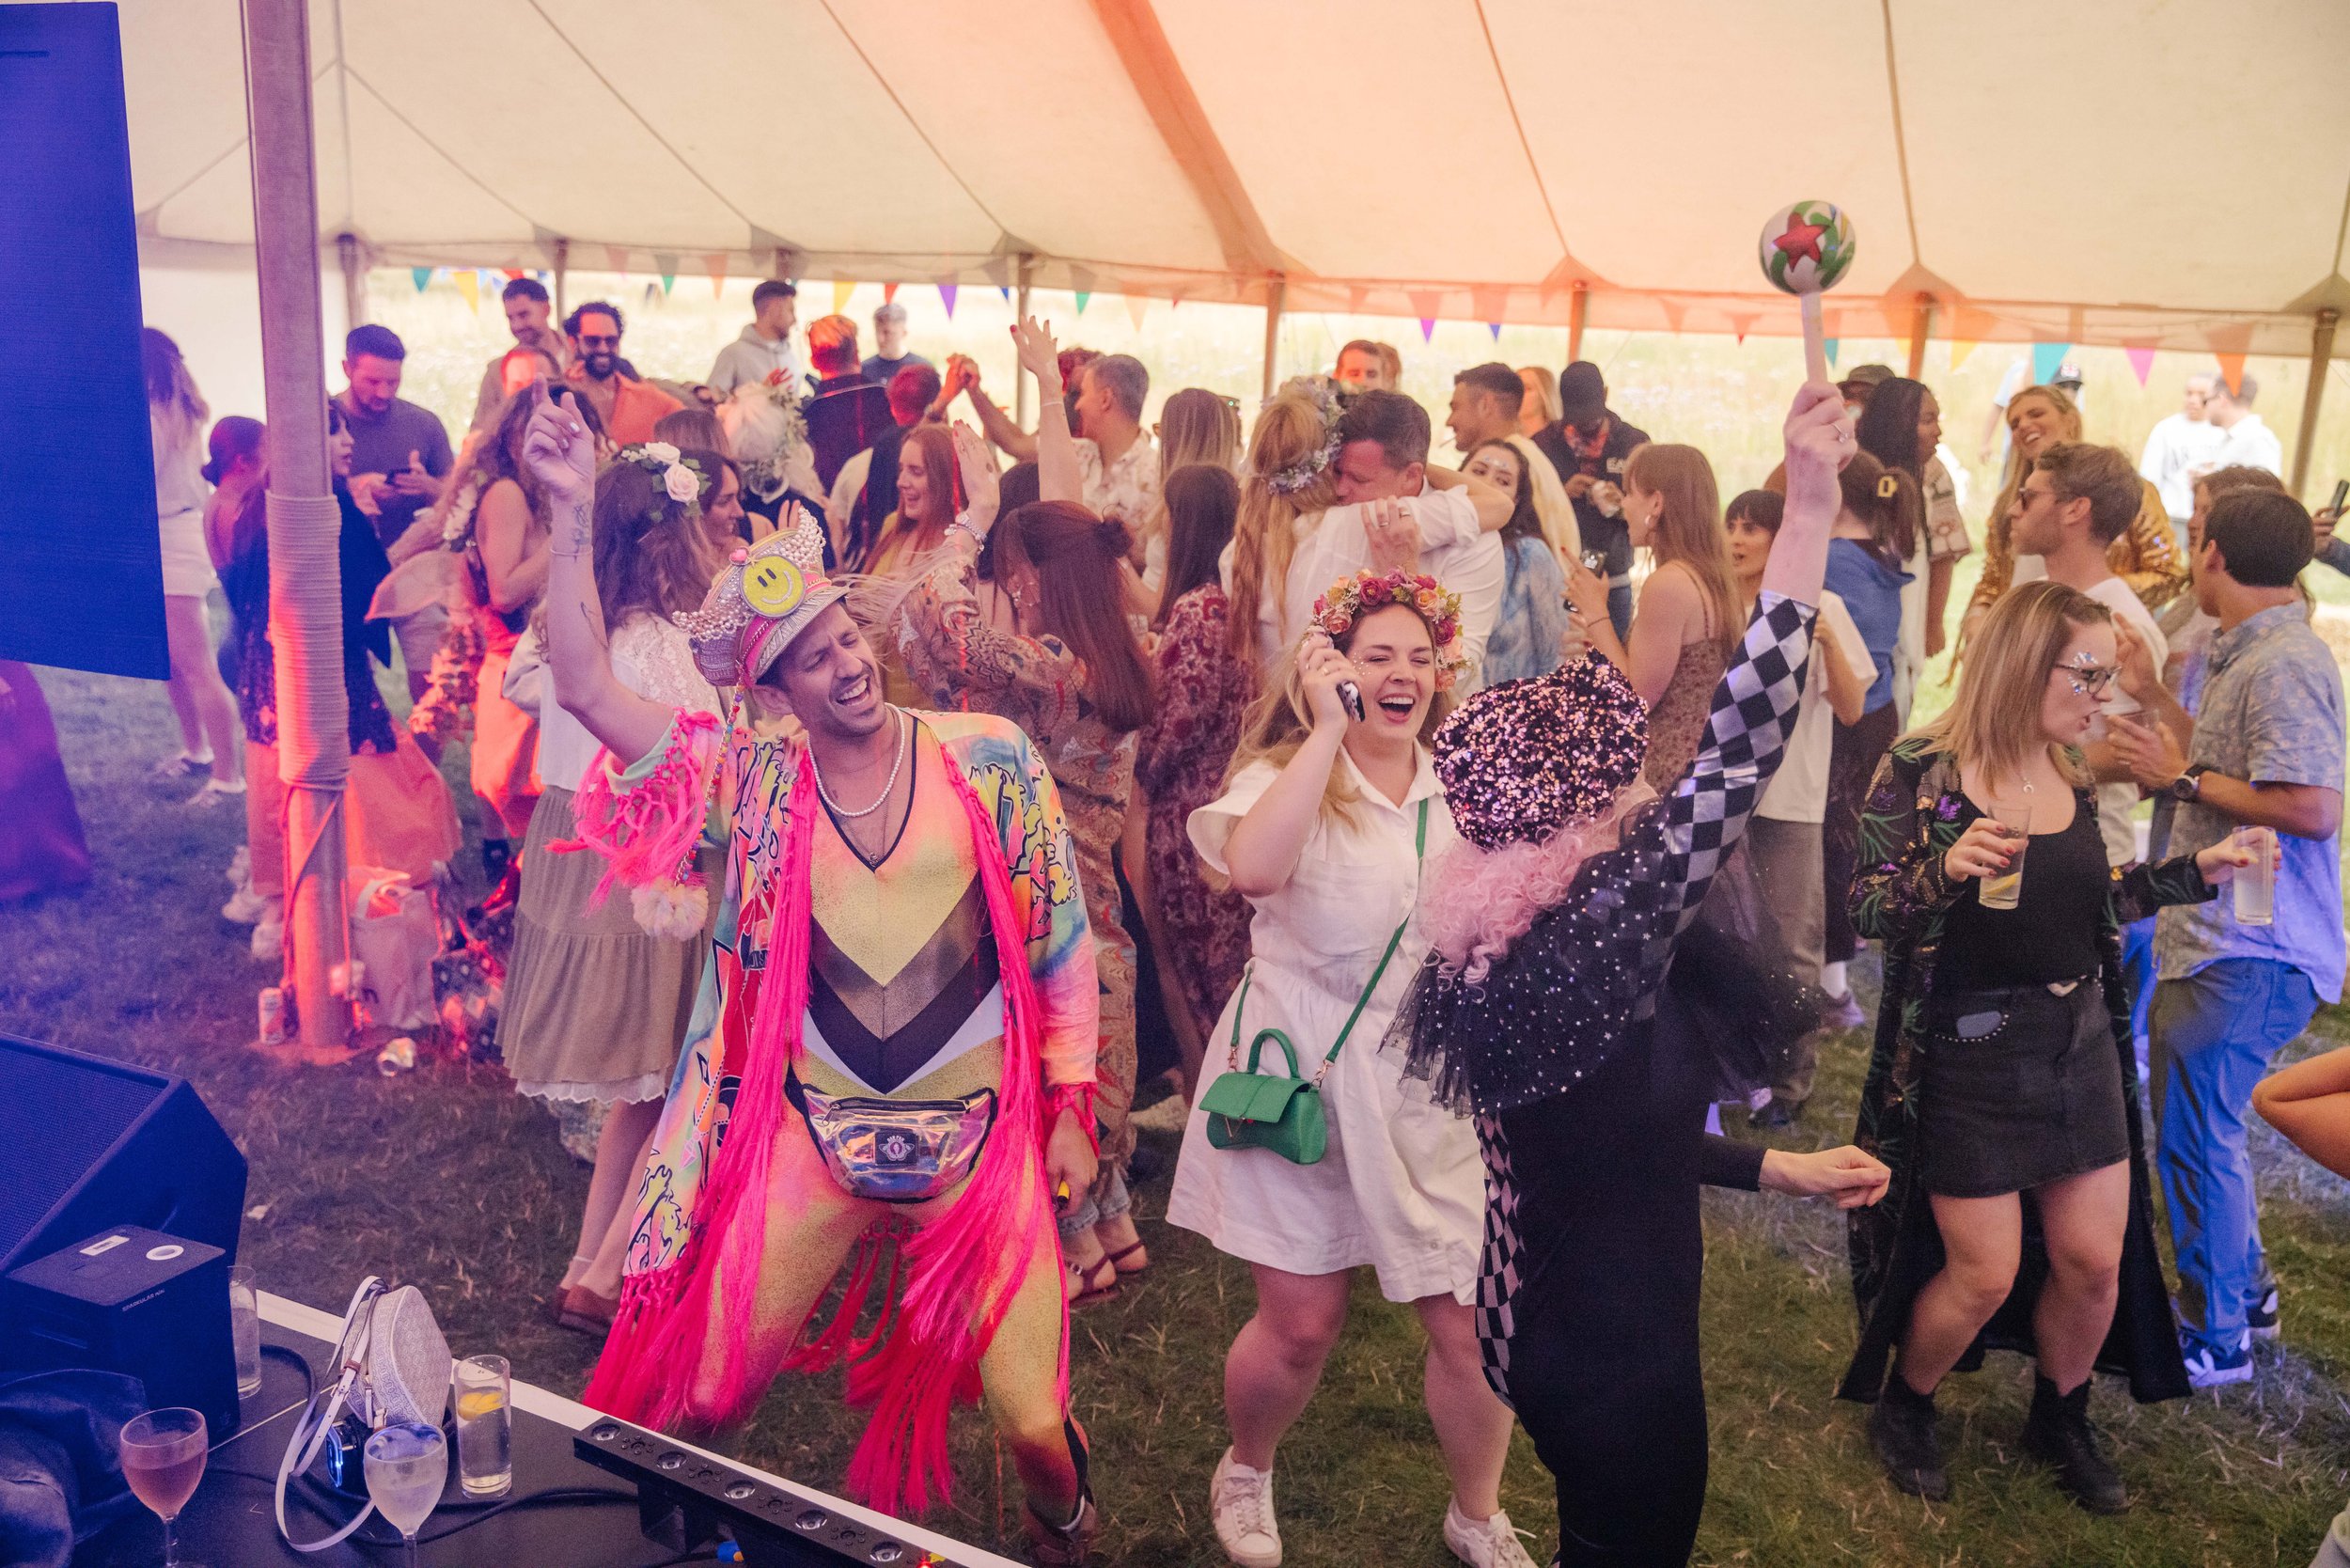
{"points": [[1283, 1114]]}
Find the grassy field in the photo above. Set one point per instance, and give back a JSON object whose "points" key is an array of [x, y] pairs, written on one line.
{"points": [[444, 1178]]}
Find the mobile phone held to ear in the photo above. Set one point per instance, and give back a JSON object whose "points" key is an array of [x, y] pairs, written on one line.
{"points": [[1351, 698]]}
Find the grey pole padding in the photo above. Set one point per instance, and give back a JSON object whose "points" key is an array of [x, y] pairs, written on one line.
{"points": [[305, 523]]}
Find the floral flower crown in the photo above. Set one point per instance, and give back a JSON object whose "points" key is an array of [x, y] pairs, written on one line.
{"points": [[1326, 397], [681, 478], [1348, 600]]}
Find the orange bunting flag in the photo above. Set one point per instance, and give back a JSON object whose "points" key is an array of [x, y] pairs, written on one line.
{"points": [[715, 264], [889, 293], [2231, 371], [1137, 309]]}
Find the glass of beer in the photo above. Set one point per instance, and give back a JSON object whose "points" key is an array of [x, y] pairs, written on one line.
{"points": [[244, 1327], [2003, 890], [163, 1458], [485, 1426], [2256, 884]]}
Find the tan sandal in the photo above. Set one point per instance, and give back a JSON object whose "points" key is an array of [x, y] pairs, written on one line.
{"points": [[586, 1312]]}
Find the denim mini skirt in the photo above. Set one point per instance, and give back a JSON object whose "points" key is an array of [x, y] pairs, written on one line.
{"points": [[2021, 1087]]}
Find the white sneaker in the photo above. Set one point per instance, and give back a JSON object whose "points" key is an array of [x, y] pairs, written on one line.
{"points": [[268, 941], [1241, 1501], [1166, 1116], [1484, 1543]]}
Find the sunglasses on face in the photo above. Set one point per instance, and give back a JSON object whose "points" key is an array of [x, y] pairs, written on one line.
{"points": [[2087, 680]]}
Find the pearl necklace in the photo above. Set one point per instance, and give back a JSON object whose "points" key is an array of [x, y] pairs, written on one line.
{"points": [[905, 745]]}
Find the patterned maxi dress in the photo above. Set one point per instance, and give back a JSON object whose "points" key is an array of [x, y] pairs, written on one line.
{"points": [[1914, 813], [1202, 691], [951, 653]]}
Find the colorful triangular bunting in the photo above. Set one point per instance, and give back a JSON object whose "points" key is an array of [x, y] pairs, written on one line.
{"points": [[2142, 363], [946, 297], [468, 284], [1085, 297], [1960, 348], [1832, 345], [421, 277], [1137, 309], [889, 293], [2046, 360], [841, 289]]}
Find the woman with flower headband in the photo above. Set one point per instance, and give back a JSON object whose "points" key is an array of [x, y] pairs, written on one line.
{"points": [[893, 1042], [1324, 825], [595, 1006], [1544, 1011]]}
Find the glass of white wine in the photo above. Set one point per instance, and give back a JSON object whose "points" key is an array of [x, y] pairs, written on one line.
{"points": [[407, 1465], [163, 1458]]}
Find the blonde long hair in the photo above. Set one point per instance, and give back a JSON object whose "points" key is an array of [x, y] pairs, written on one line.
{"points": [[1994, 720], [2018, 467], [1196, 425], [1279, 720], [1289, 431], [1689, 527]]}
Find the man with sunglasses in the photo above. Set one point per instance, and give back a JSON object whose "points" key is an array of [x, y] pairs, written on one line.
{"points": [[629, 408], [2071, 507]]}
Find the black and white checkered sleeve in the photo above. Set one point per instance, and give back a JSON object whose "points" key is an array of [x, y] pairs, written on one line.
{"points": [[1754, 710]]}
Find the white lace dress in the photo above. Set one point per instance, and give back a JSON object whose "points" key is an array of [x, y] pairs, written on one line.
{"points": [[595, 1009]]}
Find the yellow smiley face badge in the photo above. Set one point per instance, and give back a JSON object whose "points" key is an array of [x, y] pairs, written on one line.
{"points": [[772, 587]]}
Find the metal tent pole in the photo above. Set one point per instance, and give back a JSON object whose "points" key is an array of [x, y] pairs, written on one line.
{"points": [[1021, 377], [1274, 297], [562, 274], [2321, 354], [305, 524], [355, 280]]}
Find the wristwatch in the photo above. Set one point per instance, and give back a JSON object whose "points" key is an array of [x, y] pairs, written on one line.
{"points": [[2189, 785]]}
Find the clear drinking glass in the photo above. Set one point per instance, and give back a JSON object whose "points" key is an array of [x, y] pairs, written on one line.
{"points": [[2256, 884], [407, 1465], [163, 1458], [244, 1325], [2003, 890], [485, 1426]]}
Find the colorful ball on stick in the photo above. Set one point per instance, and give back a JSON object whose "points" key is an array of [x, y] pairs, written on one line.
{"points": [[1808, 248]]}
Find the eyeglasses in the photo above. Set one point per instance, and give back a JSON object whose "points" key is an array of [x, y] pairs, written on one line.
{"points": [[2087, 680], [586, 341]]}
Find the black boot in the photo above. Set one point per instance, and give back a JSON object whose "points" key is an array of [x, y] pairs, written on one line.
{"points": [[2059, 1434], [1901, 1429]]}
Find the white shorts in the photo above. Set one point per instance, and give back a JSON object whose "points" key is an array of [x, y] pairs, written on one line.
{"points": [[187, 565]]}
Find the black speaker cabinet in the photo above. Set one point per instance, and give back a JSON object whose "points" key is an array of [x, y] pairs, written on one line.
{"points": [[136, 1301], [93, 1144]]}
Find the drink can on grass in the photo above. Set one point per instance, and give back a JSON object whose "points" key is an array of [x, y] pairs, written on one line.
{"points": [[272, 1008]]}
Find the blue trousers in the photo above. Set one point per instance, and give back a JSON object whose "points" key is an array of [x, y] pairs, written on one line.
{"points": [[2213, 1035]]}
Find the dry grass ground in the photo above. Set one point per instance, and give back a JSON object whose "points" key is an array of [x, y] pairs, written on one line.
{"points": [[443, 1177]]}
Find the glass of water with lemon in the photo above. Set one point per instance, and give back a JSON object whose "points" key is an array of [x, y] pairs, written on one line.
{"points": [[485, 1426]]}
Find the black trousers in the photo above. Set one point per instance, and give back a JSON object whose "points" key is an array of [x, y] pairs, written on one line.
{"points": [[1588, 1302]]}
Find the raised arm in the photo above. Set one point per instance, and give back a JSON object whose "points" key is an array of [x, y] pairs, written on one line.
{"points": [[1265, 844], [1057, 476], [562, 457]]}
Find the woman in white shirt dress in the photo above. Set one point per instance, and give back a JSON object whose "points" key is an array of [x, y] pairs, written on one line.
{"points": [[1321, 828]]}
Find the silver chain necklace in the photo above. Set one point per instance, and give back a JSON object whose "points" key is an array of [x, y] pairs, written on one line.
{"points": [[905, 745]]}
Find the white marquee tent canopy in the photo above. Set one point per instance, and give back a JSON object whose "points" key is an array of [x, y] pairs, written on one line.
{"points": [[2150, 173]]}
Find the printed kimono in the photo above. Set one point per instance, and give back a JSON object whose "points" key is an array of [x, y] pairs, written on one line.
{"points": [[1914, 813], [703, 1194]]}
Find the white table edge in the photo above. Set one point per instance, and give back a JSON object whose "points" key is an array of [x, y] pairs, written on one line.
{"points": [[288, 1314]]}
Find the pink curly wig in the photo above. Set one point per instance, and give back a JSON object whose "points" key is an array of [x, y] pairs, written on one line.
{"points": [[1475, 902]]}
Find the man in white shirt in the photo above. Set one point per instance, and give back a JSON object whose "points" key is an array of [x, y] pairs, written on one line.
{"points": [[765, 347], [2074, 504], [2245, 438], [2178, 447], [530, 318], [1454, 520]]}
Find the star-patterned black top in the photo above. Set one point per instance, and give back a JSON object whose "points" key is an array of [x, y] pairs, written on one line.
{"points": [[1585, 978]]}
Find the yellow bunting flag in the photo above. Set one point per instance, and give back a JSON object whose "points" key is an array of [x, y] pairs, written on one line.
{"points": [[841, 289], [1960, 348], [469, 285]]}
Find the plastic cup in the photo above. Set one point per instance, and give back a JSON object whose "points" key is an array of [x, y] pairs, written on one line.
{"points": [[244, 1326], [2004, 890], [2255, 884], [485, 1426]]}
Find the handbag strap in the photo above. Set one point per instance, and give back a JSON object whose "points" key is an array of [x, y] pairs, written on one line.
{"points": [[1420, 854]]}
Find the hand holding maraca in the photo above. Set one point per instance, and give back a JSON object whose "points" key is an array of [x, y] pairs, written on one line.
{"points": [[1806, 250]]}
